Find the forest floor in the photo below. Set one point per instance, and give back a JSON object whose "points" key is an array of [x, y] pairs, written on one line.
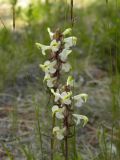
{"points": [[17, 111]]}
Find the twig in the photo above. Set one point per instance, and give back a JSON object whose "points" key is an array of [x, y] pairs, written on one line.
{"points": [[72, 19], [13, 10]]}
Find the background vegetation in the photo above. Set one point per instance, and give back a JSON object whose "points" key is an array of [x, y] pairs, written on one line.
{"points": [[24, 108]]}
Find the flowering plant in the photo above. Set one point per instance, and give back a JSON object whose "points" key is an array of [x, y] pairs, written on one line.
{"points": [[57, 53]]}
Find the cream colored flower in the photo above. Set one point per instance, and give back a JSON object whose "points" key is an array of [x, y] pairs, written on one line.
{"points": [[50, 33], [78, 119], [50, 82], [80, 99], [59, 112], [66, 32], [64, 97], [69, 42], [47, 76], [43, 48], [59, 132], [48, 67], [55, 108], [66, 67], [56, 94], [54, 45], [64, 54]]}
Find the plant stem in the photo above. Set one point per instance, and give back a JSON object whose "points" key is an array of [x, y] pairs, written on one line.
{"points": [[66, 147], [52, 138], [66, 136], [57, 74]]}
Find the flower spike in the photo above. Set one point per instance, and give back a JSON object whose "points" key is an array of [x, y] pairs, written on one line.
{"points": [[60, 47]]}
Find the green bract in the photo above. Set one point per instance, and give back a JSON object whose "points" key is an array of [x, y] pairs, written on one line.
{"points": [[70, 81], [67, 31]]}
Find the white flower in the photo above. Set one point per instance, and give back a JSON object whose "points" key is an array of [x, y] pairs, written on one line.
{"points": [[67, 31], [64, 96], [66, 67], [48, 67], [50, 82], [70, 81], [64, 54], [47, 76], [54, 45], [56, 94], [70, 41], [55, 108], [80, 99], [43, 48], [50, 33], [59, 112], [78, 118], [59, 132], [84, 96]]}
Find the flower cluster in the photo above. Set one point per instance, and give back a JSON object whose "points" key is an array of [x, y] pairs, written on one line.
{"points": [[63, 110], [59, 48], [58, 51]]}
